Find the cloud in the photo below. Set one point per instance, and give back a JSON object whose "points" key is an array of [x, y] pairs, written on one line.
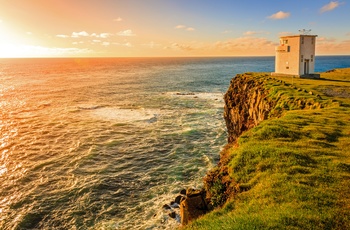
{"points": [[226, 31], [250, 33], [80, 34], [76, 43], [119, 19], [41, 51], [182, 47], [151, 45], [180, 27], [330, 6], [242, 46], [62, 36], [127, 33], [105, 43], [246, 45], [105, 35], [327, 46], [29, 33], [184, 27], [322, 40], [127, 44], [279, 15]]}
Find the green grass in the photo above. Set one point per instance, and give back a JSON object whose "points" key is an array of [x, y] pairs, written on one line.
{"points": [[291, 172]]}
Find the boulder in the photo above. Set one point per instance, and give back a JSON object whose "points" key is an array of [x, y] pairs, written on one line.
{"points": [[178, 199], [193, 206]]}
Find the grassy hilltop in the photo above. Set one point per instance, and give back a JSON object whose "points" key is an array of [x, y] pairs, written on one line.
{"points": [[292, 171]]}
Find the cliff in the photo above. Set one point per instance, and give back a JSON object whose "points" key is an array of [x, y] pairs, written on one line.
{"points": [[246, 104], [287, 161]]}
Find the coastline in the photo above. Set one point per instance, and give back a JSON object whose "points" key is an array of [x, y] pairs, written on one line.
{"points": [[286, 164]]}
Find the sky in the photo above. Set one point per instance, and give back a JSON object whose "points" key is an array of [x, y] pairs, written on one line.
{"points": [[167, 28]]}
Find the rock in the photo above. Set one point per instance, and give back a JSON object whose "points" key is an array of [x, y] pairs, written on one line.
{"points": [[178, 199], [193, 206], [172, 215], [246, 105], [185, 94], [175, 205], [166, 207]]}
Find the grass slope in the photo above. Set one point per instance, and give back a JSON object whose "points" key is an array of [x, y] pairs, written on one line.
{"points": [[293, 171]]}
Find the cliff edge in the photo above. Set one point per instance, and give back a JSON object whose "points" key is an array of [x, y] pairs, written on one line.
{"points": [[287, 161]]}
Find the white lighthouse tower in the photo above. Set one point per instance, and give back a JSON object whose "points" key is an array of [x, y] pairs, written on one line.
{"points": [[295, 55]]}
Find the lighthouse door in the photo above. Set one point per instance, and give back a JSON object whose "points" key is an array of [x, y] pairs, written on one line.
{"points": [[306, 66]]}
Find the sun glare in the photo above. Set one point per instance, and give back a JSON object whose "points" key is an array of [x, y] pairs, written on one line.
{"points": [[9, 47]]}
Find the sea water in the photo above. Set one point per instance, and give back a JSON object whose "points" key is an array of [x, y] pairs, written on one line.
{"points": [[105, 143]]}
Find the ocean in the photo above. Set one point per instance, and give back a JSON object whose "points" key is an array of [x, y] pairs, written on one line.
{"points": [[105, 143]]}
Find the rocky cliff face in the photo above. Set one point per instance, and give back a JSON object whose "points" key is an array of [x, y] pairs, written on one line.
{"points": [[250, 99], [246, 105]]}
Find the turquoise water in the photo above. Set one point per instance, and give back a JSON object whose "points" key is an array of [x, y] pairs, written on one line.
{"points": [[104, 143]]}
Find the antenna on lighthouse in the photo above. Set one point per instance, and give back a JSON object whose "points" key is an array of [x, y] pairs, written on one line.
{"points": [[304, 32]]}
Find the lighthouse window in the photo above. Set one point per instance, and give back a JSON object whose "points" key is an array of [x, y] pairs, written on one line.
{"points": [[302, 58], [302, 40], [312, 41], [312, 58]]}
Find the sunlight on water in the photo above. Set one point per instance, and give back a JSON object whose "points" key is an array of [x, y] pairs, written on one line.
{"points": [[105, 143]]}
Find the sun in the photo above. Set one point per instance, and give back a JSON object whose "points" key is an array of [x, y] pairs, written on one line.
{"points": [[9, 46], [12, 44]]}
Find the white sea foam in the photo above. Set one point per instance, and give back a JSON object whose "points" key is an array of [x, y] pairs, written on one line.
{"points": [[124, 115], [199, 95]]}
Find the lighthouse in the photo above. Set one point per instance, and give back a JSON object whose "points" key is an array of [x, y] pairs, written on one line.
{"points": [[295, 56]]}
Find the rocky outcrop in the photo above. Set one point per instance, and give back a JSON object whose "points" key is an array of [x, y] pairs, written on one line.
{"points": [[188, 205], [246, 105], [250, 99], [193, 206]]}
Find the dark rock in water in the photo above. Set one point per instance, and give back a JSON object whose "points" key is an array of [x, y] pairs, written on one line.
{"points": [[153, 119], [193, 206], [166, 207], [183, 192], [185, 94], [174, 205], [172, 215], [178, 199]]}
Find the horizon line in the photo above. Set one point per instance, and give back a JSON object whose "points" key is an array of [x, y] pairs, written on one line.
{"points": [[97, 57]]}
